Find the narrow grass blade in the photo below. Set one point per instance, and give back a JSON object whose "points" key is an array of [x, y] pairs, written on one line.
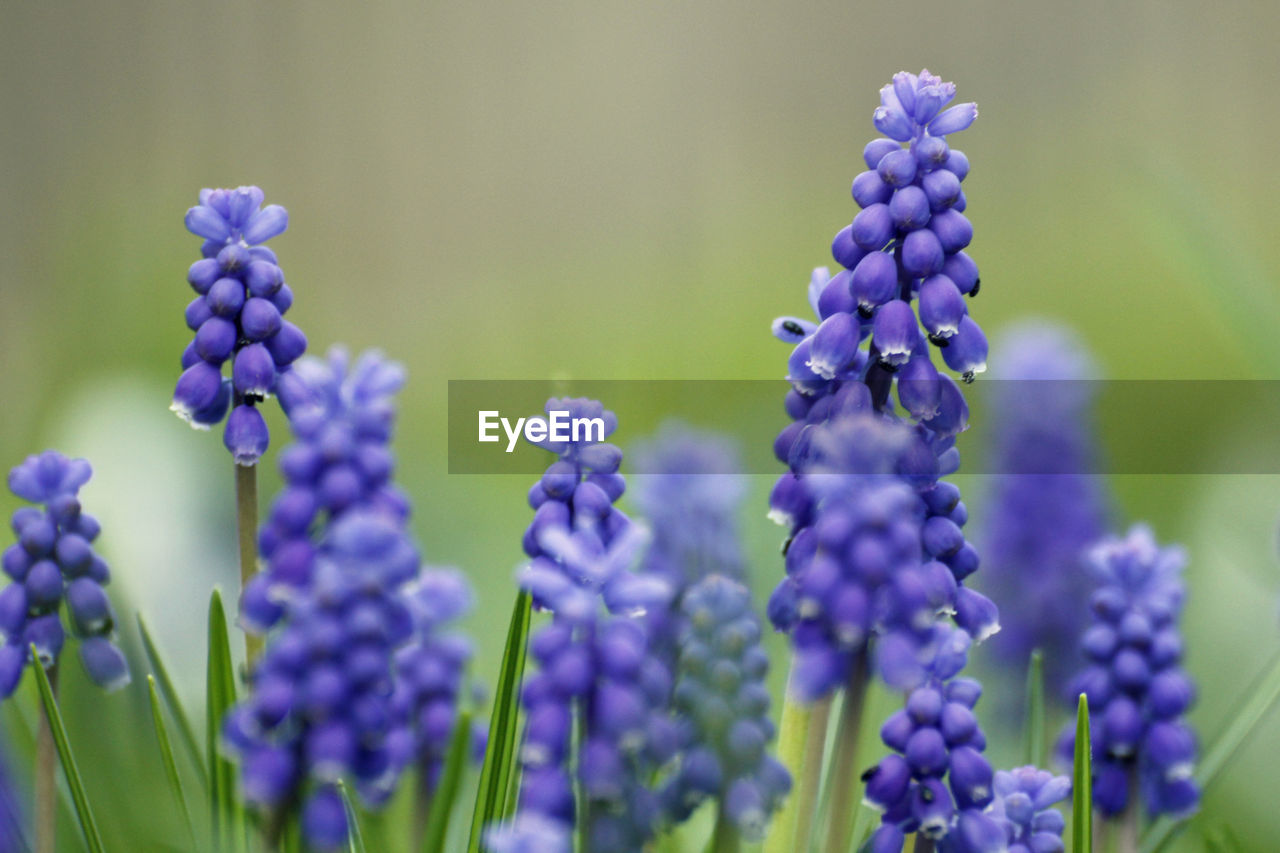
{"points": [[446, 792], [1260, 699], [220, 695], [1082, 784], [500, 756], [166, 756], [1222, 839], [355, 839], [84, 814], [1034, 745], [186, 731]]}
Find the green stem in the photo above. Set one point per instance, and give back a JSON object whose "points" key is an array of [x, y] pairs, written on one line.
{"points": [[802, 738], [923, 844], [842, 780], [581, 807], [1121, 835], [724, 838], [247, 533], [46, 793]]}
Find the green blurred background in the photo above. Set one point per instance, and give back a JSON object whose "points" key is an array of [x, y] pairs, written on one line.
{"points": [[609, 190]]}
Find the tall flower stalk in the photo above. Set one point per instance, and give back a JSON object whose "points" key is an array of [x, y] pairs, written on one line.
{"points": [[902, 292], [237, 316]]}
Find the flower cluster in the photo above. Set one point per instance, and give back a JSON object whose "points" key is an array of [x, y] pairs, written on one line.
{"points": [[595, 667], [936, 736], [593, 661], [237, 315], [320, 707], [1023, 805], [723, 706], [342, 417], [905, 245], [1137, 691], [429, 669], [1045, 507], [903, 257], [54, 561], [689, 494], [883, 554]]}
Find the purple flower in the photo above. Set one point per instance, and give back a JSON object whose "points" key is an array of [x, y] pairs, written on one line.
{"points": [[1045, 507], [593, 658], [429, 670], [341, 416], [320, 706], [237, 316], [53, 561], [883, 555], [936, 782], [1137, 691], [722, 703], [1023, 805], [899, 297]]}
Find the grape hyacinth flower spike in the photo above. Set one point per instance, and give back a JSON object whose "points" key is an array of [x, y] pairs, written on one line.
{"points": [[594, 671], [1137, 691], [342, 416], [237, 316], [54, 562], [430, 670], [1046, 505], [721, 697], [936, 782], [320, 706]]}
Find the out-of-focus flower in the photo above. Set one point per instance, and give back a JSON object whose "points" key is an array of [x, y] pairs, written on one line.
{"points": [[1045, 506], [320, 706], [1137, 690], [342, 416], [430, 668], [54, 561], [882, 555], [1023, 805], [722, 705]]}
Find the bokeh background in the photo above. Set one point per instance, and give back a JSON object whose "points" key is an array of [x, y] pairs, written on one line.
{"points": [[611, 190]]}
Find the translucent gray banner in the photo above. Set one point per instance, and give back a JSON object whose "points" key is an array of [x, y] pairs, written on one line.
{"points": [[1148, 427]]}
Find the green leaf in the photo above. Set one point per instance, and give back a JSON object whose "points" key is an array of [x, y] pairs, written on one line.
{"points": [[446, 792], [166, 755], [84, 813], [355, 840], [1034, 745], [500, 756], [1260, 699], [1082, 784], [185, 730], [220, 695], [1222, 839]]}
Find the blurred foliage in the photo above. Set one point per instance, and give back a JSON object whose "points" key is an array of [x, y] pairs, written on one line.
{"points": [[608, 190]]}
